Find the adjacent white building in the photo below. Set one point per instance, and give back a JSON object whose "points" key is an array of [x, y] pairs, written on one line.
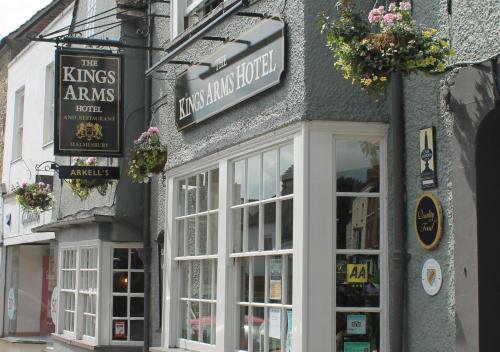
{"points": [[31, 259]]}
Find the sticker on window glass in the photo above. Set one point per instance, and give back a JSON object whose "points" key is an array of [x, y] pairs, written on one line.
{"points": [[357, 273], [119, 330], [356, 324], [350, 346], [275, 279], [275, 323]]}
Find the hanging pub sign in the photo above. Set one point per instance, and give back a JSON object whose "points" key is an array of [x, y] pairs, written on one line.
{"points": [[428, 221], [239, 70], [427, 158], [88, 103]]}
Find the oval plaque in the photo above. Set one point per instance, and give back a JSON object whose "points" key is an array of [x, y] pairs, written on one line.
{"points": [[428, 221]]}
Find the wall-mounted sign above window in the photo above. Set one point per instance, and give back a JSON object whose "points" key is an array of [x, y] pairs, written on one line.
{"points": [[427, 158], [428, 221], [239, 70], [88, 103]]}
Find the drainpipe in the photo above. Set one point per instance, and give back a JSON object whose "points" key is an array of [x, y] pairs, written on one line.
{"points": [[399, 256], [147, 198]]}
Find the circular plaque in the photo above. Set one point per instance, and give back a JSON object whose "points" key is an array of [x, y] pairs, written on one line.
{"points": [[432, 278], [428, 221]]}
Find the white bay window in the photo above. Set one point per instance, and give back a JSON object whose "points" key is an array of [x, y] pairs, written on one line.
{"points": [[292, 254], [187, 13]]}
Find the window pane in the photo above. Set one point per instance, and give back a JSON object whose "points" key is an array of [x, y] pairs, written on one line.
{"points": [[259, 278], [202, 235], [358, 280], [136, 330], [206, 322], [136, 256], [194, 316], [289, 283], [184, 279], [238, 216], [191, 232], [120, 258], [244, 326], [239, 182], [358, 331], [358, 164], [136, 306], [253, 228], [180, 237], [258, 332], [191, 198], [286, 170], [119, 329], [203, 192], [181, 200], [270, 226], [244, 280], [120, 306], [184, 319], [358, 222], [206, 288], [137, 284], [120, 282], [214, 233], [253, 180], [287, 224], [275, 279], [269, 178], [214, 189], [195, 279]]}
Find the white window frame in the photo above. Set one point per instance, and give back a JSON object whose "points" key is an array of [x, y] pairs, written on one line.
{"points": [[313, 248], [18, 130], [179, 11], [48, 121], [77, 334], [91, 22], [108, 320], [227, 273]]}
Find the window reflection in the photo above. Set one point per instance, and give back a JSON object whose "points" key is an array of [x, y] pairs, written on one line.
{"points": [[358, 222], [358, 165], [357, 332]]}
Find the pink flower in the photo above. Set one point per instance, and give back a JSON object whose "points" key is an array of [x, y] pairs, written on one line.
{"points": [[153, 130], [24, 184], [389, 19], [92, 160], [375, 15], [399, 16], [392, 6], [405, 6]]}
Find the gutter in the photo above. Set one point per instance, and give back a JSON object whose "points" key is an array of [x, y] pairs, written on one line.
{"points": [[399, 256]]}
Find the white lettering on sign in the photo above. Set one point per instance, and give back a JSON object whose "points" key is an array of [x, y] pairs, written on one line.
{"points": [[242, 76]]}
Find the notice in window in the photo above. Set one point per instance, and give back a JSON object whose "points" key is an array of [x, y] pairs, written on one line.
{"points": [[275, 283], [275, 323]]}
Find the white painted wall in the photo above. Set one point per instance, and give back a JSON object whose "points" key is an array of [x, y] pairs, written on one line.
{"points": [[28, 70]]}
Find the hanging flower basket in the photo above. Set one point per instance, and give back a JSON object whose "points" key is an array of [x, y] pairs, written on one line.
{"points": [[34, 196], [368, 50], [82, 188], [148, 156]]}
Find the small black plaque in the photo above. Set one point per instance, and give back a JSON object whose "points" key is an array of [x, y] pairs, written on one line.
{"points": [[428, 221], [89, 172]]}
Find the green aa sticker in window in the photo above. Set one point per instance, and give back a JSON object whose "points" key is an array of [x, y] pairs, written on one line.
{"points": [[357, 273]]}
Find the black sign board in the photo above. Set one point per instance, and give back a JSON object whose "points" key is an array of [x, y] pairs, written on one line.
{"points": [[89, 172], [427, 158], [428, 221], [88, 103], [239, 70]]}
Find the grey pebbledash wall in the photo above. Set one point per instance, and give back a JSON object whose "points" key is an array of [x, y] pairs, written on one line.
{"points": [[313, 90]]}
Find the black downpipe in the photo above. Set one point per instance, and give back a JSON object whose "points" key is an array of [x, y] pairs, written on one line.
{"points": [[399, 257], [147, 200]]}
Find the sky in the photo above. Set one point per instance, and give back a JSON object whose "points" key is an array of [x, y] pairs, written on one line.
{"points": [[15, 13]]}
